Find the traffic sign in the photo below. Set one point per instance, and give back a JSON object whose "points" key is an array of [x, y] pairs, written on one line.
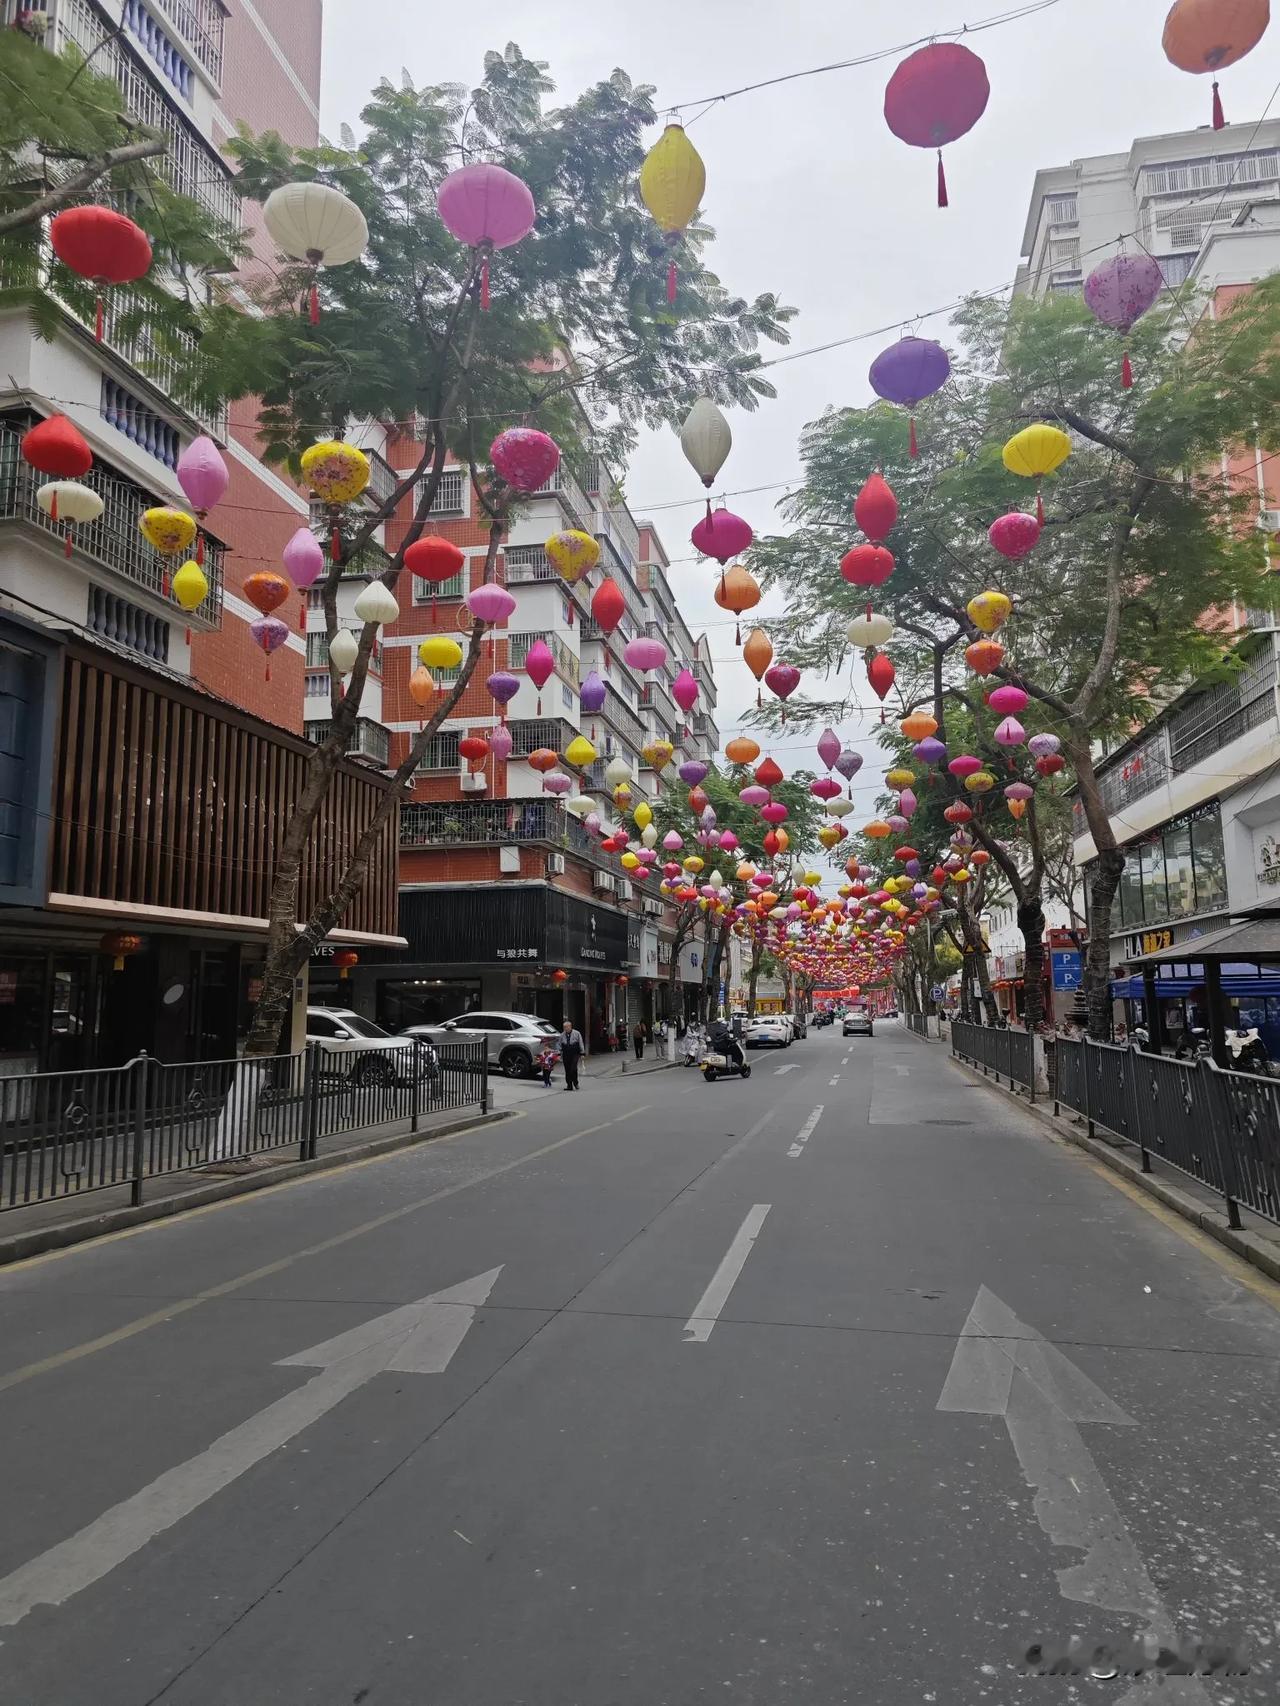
{"points": [[1068, 970]]}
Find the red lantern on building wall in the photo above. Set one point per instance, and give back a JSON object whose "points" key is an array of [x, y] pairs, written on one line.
{"points": [[344, 959], [120, 945], [559, 977], [101, 245]]}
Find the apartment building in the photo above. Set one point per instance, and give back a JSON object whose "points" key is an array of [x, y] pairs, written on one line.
{"points": [[146, 777]]}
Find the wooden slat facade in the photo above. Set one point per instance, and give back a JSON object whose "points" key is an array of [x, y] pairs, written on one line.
{"points": [[164, 798]]}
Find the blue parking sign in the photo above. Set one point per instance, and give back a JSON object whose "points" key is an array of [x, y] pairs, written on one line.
{"points": [[1068, 969]]}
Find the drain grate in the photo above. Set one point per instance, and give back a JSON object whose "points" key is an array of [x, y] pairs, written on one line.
{"points": [[947, 1122]]}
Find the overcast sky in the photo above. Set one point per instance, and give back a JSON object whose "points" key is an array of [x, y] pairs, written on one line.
{"points": [[809, 194]]}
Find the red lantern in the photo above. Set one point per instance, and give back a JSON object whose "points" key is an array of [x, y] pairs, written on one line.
{"points": [[474, 748], [435, 559], [881, 675], [771, 843], [344, 959], [100, 245], [768, 773], [1051, 763], [559, 977], [957, 812], [867, 565], [875, 509], [935, 96], [120, 944], [57, 447]]}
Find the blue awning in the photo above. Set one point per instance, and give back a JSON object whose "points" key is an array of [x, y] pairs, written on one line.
{"points": [[1169, 989]]}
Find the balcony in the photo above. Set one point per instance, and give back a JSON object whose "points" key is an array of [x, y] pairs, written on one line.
{"points": [[619, 716], [573, 500], [191, 166], [566, 663], [202, 23], [451, 493], [367, 740], [497, 823], [113, 541], [383, 480], [531, 734], [1215, 719]]}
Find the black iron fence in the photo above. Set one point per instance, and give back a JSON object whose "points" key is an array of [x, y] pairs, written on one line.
{"points": [[64, 1134], [1003, 1051], [918, 1023], [1221, 1128]]}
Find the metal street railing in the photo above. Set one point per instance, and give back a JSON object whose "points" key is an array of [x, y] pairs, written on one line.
{"points": [[997, 1049], [65, 1134]]}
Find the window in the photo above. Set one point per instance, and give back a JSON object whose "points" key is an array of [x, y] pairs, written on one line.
{"points": [[566, 613], [1210, 863], [441, 752], [1130, 892], [566, 698], [321, 1025], [355, 1026], [1180, 871], [317, 685], [454, 587], [1062, 209], [1155, 892]]}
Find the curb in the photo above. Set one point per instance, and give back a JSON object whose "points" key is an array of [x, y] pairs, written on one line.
{"points": [[1252, 1249], [61, 1236]]}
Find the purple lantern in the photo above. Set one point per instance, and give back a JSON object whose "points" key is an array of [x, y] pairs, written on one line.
{"points": [[500, 742], [556, 782], [721, 534], [909, 371], [490, 603], [1119, 292], [645, 654], [1018, 791], [848, 764], [898, 824], [486, 207], [202, 474], [1043, 746], [270, 633], [693, 771], [525, 458], [929, 750], [503, 686], [593, 693], [828, 747]]}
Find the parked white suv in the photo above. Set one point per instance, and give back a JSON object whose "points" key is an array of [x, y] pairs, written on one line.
{"points": [[513, 1040], [375, 1056]]}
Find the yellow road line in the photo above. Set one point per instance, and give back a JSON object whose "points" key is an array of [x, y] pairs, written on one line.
{"points": [[181, 1306]]}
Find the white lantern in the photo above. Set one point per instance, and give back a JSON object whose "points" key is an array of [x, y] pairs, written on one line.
{"points": [[376, 604], [617, 771], [311, 222], [840, 806], [648, 836], [68, 500], [343, 650], [706, 440], [873, 630], [580, 804]]}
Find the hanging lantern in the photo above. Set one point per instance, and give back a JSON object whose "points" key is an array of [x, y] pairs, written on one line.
{"points": [[1017, 807], [958, 812], [100, 245], [757, 654], [422, 689], [543, 760], [672, 181], [345, 959], [1010, 732], [742, 750], [304, 561], [190, 588], [1034, 452], [474, 748], [337, 473], [204, 478], [989, 611], [1202, 36], [539, 665], [1051, 764], [936, 96], [579, 752], [120, 945], [849, 763], [490, 603], [908, 372], [964, 765], [829, 747], [918, 725], [981, 782], [572, 553], [721, 534], [270, 633], [439, 651], [617, 771], [502, 686], [524, 457], [266, 591], [501, 743], [1014, 535], [875, 509], [57, 447], [737, 591], [984, 656], [70, 504], [877, 830], [1044, 745], [608, 607], [1119, 292], [644, 654], [782, 679], [434, 559], [872, 629], [592, 696], [881, 676], [376, 604], [684, 690], [706, 440], [487, 208], [769, 773], [867, 565], [170, 531], [317, 224], [344, 648], [1008, 700], [657, 754], [693, 771]]}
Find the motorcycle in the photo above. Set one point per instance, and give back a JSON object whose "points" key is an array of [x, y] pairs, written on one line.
{"points": [[716, 1064], [1249, 1053], [694, 1047]]}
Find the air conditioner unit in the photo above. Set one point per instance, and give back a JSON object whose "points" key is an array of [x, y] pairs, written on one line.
{"points": [[475, 783], [604, 881], [1268, 521], [555, 864], [624, 888], [653, 908]]}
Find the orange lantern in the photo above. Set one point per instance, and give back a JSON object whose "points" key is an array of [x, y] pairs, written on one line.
{"points": [[742, 750], [984, 656], [1203, 36], [559, 977], [757, 654], [737, 590], [421, 690], [344, 959], [120, 944], [543, 759], [919, 725]]}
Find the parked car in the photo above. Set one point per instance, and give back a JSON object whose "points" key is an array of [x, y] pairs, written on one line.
{"points": [[770, 1030], [370, 1054], [857, 1022], [513, 1040]]}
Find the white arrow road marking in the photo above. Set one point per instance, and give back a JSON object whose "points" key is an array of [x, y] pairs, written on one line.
{"points": [[698, 1327], [836, 1079], [845, 1061], [902, 1071], [805, 1132], [779, 1070], [420, 1338], [1002, 1367]]}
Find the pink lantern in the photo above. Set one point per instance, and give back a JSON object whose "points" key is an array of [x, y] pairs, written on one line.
{"points": [[490, 603], [684, 690], [305, 562], [673, 841], [782, 679], [828, 747], [964, 765], [487, 208], [500, 743], [539, 664], [556, 782], [824, 788], [202, 474], [1119, 292], [774, 812], [897, 823], [1019, 791], [753, 795], [270, 633], [645, 654], [1010, 732], [907, 803], [721, 534], [525, 458], [1044, 746], [1015, 534], [1008, 700], [728, 840]]}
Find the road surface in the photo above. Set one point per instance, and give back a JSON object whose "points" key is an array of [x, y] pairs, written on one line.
{"points": [[841, 1385]]}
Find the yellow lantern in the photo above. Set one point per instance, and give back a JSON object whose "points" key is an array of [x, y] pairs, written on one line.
{"points": [[811, 879], [622, 796], [335, 472], [629, 861], [190, 587], [900, 776], [438, 651], [643, 815], [693, 863], [672, 179], [989, 611], [981, 782], [961, 877], [169, 530], [657, 754], [579, 752], [1034, 452], [572, 553], [828, 835], [1017, 808]]}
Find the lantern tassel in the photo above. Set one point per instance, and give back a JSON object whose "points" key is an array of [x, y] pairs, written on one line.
{"points": [[1219, 117], [99, 317], [1040, 506], [671, 281], [759, 701], [66, 548], [539, 704], [943, 200], [484, 285], [433, 609], [188, 636], [1126, 373], [737, 633], [53, 506], [313, 304], [267, 676], [164, 583], [913, 446], [200, 549]]}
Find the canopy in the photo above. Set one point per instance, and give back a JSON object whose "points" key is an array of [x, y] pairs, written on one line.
{"points": [[1252, 939]]}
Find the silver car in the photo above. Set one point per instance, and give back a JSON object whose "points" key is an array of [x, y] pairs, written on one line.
{"points": [[513, 1040]]}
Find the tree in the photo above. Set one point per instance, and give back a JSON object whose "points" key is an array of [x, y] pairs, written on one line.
{"points": [[579, 341], [1144, 535]]}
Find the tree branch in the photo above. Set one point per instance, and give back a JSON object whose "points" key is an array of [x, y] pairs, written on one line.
{"points": [[76, 182]]}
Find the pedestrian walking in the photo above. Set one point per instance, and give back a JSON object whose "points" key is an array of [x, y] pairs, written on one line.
{"points": [[637, 1037], [571, 1046], [547, 1064]]}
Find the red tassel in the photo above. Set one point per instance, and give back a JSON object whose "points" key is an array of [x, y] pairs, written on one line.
{"points": [[484, 285], [942, 183], [302, 616], [1040, 508], [314, 304], [539, 704], [267, 677], [737, 633], [99, 315], [671, 281], [1126, 372], [1219, 117], [433, 609], [913, 446], [164, 583], [188, 636], [200, 550], [67, 545], [53, 506]]}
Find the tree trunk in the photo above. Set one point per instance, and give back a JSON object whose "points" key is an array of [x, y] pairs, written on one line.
{"points": [[1031, 924], [753, 978], [1102, 891], [976, 958]]}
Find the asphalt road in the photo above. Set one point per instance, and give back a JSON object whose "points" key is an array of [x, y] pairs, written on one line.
{"points": [[840, 1385]]}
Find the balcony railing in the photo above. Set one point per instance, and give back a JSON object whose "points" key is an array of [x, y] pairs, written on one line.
{"points": [[1215, 719], [497, 823], [383, 479], [202, 22], [367, 740], [191, 166], [451, 493], [532, 734], [113, 541], [563, 485], [619, 716], [566, 663]]}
